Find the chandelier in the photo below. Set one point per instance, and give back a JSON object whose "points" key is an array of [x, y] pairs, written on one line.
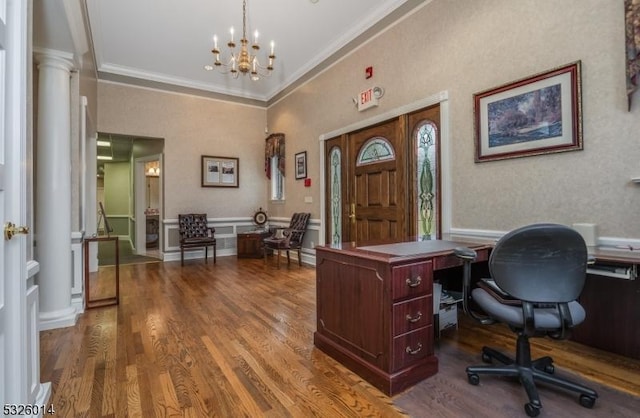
{"points": [[243, 61]]}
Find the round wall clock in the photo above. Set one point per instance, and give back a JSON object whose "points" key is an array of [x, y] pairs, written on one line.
{"points": [[260, 217]]}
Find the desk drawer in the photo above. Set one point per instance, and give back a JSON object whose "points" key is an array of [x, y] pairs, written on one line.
{"points": [[411, 280], [412, 347], [449, 261], [412, 314]]}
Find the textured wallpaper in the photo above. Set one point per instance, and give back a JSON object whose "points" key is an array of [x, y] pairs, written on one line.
{"points": [[191, 127], [467, 46]]}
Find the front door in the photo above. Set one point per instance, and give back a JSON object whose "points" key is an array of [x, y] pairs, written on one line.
{"points": [[378, 201], [382, 183]]}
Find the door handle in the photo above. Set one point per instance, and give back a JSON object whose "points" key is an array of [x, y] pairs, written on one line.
{"points": [[10, 229], [352, 215]]}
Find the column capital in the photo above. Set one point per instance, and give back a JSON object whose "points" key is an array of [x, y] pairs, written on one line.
{"points": [[54, 59]]}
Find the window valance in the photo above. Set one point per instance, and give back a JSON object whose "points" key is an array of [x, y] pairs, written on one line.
{"points": [[274, 146]]}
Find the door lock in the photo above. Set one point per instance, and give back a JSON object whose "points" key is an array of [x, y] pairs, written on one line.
{"points": [[10, 229]]}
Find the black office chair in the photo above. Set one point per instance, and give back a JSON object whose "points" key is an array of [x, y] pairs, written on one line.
{"points": [[538, 272]]}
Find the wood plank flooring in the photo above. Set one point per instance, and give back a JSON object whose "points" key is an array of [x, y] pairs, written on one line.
{"points": [[235, 339]]}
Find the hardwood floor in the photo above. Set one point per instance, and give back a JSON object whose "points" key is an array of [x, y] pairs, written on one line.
{"points": [[236, 339]]}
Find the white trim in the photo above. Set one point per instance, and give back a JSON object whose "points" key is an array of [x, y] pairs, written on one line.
{"points": [[177, 81], [488, 234], [58, 319], [54, 53], [76, 27], [33, 267], [227, 101]]}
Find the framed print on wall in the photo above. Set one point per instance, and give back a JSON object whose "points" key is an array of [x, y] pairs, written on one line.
{"points": [[301, 165], [220, 171], [541, 114]]}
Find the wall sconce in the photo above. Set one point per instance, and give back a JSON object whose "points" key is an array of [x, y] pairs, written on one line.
{"points": [[152, 169]]}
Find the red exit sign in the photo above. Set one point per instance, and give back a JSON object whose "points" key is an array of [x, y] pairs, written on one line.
{"points": [[367, 100]]}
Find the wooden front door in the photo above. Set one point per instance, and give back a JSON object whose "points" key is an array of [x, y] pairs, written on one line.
{"points": [[383, 181], [376, 179]]}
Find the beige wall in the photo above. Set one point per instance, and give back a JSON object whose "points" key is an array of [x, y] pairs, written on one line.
{"points": [[191, 127], [468, 46]]}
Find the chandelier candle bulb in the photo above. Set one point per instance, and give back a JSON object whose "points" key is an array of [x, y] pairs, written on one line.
{"points": [[245, 60]]}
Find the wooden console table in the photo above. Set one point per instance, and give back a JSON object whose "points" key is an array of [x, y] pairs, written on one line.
{"points": [[104, 301], [375, 308]]}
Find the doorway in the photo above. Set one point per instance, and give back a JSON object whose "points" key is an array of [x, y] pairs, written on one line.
{"points": [[148, 205], [384, 179], [131, 193]]}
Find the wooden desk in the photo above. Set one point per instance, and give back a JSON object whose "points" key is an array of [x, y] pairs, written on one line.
{"points": [[375, 308], [612, 306]]}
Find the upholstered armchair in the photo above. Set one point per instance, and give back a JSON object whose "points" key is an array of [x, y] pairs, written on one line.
{"points": [[194, 233], [288, 239]]}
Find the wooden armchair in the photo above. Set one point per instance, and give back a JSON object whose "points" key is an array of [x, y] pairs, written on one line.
{"points": [[194, 233], [289, 238]]}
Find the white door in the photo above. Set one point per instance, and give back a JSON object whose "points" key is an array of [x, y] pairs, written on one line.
{"points": [[19, 345]]}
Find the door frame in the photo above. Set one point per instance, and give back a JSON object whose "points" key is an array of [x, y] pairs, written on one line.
{"points": [[139, 199], [442, 99]]}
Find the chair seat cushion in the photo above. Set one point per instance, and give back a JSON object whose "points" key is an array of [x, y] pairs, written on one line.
{"points": [[545, 318], [198, 240], [276, 242]]}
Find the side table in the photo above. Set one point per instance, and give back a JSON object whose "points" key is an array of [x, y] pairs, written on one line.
{"points": [[250, 243]]}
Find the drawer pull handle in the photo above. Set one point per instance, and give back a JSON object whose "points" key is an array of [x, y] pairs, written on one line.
{"points": [[413, 352], [414, 319], [414, 282]]}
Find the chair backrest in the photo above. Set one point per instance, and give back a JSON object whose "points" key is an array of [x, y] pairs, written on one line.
{"points": [[298, 227], [193, 225], [540, 263]]}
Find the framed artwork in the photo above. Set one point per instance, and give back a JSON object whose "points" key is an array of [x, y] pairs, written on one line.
{"points": [[541, 114], [301, 165], [220, 171]]}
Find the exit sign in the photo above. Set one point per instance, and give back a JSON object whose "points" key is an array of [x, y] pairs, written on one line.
{"points": [[367, 99]]}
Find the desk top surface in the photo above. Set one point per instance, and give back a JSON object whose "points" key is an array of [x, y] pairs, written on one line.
{"points": [[410, 247], [407, 249]]}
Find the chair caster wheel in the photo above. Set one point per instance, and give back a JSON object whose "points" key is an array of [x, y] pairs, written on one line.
{"points": [[473, 378], [531, 409], [486, 358], [587, 401]]}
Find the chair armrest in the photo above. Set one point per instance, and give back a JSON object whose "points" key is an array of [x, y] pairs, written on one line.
{"points": [[465, 253], [468, 256], [212, 230]]}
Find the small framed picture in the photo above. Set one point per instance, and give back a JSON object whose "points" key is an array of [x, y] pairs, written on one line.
{"points": [[541, 114], [301, 165], [220, 171]]}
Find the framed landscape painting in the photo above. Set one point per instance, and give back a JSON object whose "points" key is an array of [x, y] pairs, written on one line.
{"points": [[537, 115]]}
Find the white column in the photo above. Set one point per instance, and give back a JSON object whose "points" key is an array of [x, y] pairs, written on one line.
{"points": [[53, 192]]}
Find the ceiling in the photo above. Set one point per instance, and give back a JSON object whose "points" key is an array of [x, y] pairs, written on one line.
{"points": [[167, 43]]}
